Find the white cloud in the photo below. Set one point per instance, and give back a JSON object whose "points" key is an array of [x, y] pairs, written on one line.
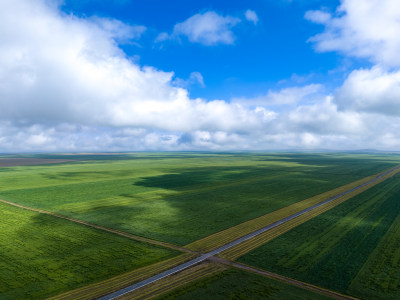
{"points": [[207, 28], [57, 68], [371, 90], [251, 16], [318, 16], [286, 96], [118, 30], [163, 36], [60, 69], [65, 85], [362, 28], [195, 78]]}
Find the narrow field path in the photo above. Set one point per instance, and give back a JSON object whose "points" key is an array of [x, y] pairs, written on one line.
{"points": [[287, 280], [236, 242], [118, 232]]}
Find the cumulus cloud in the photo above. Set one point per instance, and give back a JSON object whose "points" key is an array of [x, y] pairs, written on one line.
{"points": [[371, 90], [366, 107], [362, 28], [65, 85], [251, 16], [60, 69], [207, 28]]}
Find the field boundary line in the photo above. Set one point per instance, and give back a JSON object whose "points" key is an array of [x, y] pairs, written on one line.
{"points": [[110, 230], [372, 180], [288, 280]]}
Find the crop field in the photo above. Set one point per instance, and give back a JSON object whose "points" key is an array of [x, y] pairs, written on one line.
{"points": [[228, 235], [41, 256], [237, 284], [180, 197], [101, 288], [251, 244], [352, 248]]}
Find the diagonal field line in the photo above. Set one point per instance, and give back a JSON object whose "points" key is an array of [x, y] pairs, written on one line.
{"points": [[291, 281], [114, 231], [210, 254]]}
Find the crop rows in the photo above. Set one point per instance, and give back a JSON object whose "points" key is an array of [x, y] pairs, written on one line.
{"points": [[118, 282], [223, 237], [263, 238], [352, 248], [380, 275]]}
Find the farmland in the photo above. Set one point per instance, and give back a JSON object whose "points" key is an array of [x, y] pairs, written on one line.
{"points": [[131, 202], [180, 198], [352, 248], [237, 284], [43, 256]]}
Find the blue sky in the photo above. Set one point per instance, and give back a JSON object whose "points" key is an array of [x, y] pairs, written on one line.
{"points": [[124, 75], [262, 55]]}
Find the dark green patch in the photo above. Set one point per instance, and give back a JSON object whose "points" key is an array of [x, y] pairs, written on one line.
{"points": [[236, 284], [332, 248]]}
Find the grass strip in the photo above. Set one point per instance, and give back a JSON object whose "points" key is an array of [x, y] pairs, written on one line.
{"points": [[249, 245], [223, 237], [119, 282], [174, 281]]}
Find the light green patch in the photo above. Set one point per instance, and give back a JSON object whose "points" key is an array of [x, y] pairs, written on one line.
{"points": [[42, 255]]}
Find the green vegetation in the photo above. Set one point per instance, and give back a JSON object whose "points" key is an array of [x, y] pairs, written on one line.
{"points": [[228, 235], [172, 282], [105, 287], [237, 284], [352, 248], [42, 255], [181, 197], [379, 278]]}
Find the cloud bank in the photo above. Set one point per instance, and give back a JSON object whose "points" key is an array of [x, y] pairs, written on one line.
{"points": [[65, 85]]}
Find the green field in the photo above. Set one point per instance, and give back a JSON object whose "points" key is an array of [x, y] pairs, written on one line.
{"points": [[237, 284], [41, 255], [353, 248], [181, 197]]}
